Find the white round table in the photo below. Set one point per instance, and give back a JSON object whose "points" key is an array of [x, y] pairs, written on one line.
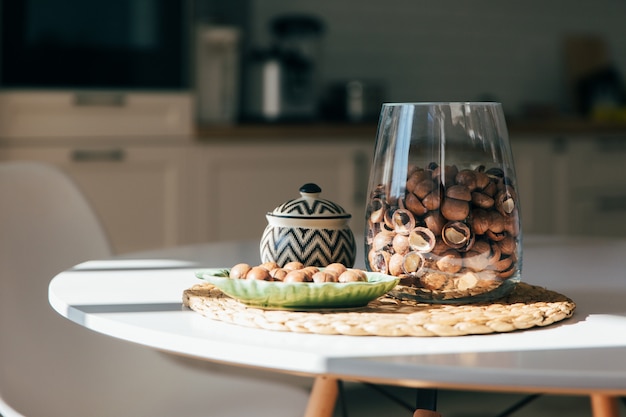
{"points": [[138, 299]]}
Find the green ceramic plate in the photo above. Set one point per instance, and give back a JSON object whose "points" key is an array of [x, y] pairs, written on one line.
{"points": [[300, 295]]}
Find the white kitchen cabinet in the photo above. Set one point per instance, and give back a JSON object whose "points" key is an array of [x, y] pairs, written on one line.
{"points": [[596, 191], [140, 193], [238, 184], [572, 183], [537, 161], [158, 194]]}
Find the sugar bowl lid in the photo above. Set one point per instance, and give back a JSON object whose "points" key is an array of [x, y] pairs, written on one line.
{"points": [[310, 206]]}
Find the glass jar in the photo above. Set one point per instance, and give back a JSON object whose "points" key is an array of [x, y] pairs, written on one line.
{"points": [[443, 210]]}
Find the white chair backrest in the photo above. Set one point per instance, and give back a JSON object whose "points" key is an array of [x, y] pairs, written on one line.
{"points": [[46, 226], [50, 367]]}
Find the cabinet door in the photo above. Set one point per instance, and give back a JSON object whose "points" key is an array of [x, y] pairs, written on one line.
{"points": [[239, 185], [139, 193], [597, 186], [536, 165]]}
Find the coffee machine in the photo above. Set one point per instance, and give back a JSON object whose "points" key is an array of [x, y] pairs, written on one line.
{"points": [[282, 82]]}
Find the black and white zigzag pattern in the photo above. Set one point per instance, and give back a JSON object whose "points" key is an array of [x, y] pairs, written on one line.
{"points": [[312, 247], [303, 208]]}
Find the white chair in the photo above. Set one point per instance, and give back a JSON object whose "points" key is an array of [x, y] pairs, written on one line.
{"points": [[50, 367]]}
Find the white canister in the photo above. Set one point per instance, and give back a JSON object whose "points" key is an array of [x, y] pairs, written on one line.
{"points": [[217, 74]]}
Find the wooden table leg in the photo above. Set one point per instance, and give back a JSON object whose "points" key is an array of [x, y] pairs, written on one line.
{"points": [[426, 413], [604, 406], [323, 397]]}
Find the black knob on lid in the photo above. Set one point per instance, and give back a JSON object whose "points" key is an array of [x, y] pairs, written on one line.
{"points": [[310, 188]]}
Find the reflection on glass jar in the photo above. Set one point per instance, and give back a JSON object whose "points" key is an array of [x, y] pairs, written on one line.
{"points": [[443, 211]]}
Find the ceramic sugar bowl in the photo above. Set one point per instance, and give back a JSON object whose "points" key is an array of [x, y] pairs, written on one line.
{"points": [[310, 230]]}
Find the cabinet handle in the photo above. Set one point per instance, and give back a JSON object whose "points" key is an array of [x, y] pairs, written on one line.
{"points": [[559, 145], [612, 203], [611, 144], [100, 99], [98, 155]]}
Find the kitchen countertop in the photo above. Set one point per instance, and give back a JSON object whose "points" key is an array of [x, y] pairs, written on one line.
{"points": [[359, 131], [572, 126], [539, 129]]}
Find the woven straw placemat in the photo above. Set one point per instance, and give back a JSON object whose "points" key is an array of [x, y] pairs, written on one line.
{"points": [[527, 306]]}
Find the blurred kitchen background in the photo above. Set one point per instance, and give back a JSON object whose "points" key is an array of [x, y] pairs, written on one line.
{"points": [[186, 121], [540, 60]]}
